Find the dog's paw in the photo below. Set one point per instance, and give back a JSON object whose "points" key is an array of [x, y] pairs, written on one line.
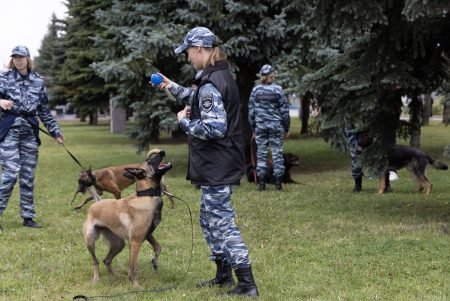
{"points": [[155, 264]]}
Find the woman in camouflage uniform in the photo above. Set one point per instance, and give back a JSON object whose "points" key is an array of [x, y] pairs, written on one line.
{"points": [[268, 115], [23, 98], [211, 119]]}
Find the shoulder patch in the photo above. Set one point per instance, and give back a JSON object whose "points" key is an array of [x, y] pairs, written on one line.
{"points": [[207, 102]]}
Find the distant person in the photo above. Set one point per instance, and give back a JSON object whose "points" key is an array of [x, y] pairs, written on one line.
{"points": [[268, 115], [355, 151], [23, 98], [211, 119]]}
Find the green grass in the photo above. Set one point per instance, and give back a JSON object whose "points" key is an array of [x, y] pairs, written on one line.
{"points": [[313, 241]]}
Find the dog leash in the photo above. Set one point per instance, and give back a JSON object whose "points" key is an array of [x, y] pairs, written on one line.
{"points": [[158, 290], [70, 154]]}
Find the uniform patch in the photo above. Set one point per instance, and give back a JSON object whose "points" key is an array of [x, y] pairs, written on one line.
{"points": [[207, 102]]}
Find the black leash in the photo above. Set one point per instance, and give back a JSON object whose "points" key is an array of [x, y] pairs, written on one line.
{"points": [[158, 290], [70, 154]]}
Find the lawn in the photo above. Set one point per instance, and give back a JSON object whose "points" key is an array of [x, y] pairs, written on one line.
{"points": [[314, 241]]}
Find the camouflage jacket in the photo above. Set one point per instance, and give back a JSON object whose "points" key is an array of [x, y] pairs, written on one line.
{"points": [[30, 98], [268, 108]]}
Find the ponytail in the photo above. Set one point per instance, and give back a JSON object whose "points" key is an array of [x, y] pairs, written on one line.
{"points": [[216, 55]]}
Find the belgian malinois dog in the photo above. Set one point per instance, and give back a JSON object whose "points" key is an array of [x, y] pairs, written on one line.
{"points": [[110, 179], [131, 219], [415, 160]]}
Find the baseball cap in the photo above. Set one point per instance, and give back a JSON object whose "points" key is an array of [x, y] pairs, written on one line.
{"points": [[20, 50], [198, 36], [266, 70]]}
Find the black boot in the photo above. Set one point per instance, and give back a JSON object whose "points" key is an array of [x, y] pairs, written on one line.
{"points": [[262, 184], [387, 187], [28, 222], [246, 284], [358, 185], [224, 277], [278, 184]]}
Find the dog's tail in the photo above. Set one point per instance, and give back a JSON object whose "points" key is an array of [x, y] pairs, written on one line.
{"points": [[436, 164]]}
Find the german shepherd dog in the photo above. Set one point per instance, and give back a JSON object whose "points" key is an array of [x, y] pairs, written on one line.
{"points": [[290, 161], [110, 179], [415, 160], [131, 219]]}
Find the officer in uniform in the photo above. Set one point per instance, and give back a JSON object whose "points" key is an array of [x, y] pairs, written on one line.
{"points": [[355, 151], [211, 119], [268, 115], [23, 98]]}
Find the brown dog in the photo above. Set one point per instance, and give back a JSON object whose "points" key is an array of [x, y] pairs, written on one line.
{"points": [[131, 219], [415, 160], [111, 180]]}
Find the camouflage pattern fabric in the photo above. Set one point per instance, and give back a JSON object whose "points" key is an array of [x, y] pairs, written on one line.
{"points": [[352, 138], [197, 37], [20, 50], [19, 154], [216, 212], [213, 122], [275, 140], [268, 116], [219, 229], [19, 149]]}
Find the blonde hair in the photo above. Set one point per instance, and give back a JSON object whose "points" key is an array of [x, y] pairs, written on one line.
{"points": [[216, 54], [29, 63], [268, 79]]}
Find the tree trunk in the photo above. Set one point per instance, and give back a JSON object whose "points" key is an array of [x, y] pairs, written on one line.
{"points": [[427, 103], [93, 118], [246, 81], [415, 113], [445, 114], [304, 114]]}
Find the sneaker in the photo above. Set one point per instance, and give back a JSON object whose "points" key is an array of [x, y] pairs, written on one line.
{"points": [[28, 222]]}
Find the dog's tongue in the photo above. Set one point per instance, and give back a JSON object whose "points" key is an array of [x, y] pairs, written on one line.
{"points": [[162, 165]]}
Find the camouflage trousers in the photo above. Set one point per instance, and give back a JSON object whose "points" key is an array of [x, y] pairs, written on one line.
{"points": [[18, 156], [219, 229], [275, 139], [354, 153]]}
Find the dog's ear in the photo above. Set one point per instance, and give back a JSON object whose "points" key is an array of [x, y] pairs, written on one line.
{"points": [[134, 173]]}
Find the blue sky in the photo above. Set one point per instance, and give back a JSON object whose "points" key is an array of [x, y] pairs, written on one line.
{"points": [[25, 22]]}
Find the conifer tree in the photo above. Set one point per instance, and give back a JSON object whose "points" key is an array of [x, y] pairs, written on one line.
{"points": [[396, 48], [51, 59], [83, 88], [143, 34]]}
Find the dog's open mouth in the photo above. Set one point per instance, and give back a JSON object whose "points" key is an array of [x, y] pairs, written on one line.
{"points": [[164, 166]]}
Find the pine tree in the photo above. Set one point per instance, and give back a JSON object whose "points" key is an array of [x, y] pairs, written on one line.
{"points": [[51, 59], [82, 87], [395, 48], [142, 35]]}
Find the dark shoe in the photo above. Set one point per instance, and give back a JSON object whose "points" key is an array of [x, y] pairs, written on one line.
{"points": [[28, 222], [224, 277], [278, 184], [246, 284], [358, 185], [262, 184]]}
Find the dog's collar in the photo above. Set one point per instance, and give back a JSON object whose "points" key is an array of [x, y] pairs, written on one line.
{"points": [[149, 192]]}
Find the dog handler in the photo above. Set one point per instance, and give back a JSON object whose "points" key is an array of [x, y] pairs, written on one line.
{"points": [[23, 97], [268, 116], [216, 155]]}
